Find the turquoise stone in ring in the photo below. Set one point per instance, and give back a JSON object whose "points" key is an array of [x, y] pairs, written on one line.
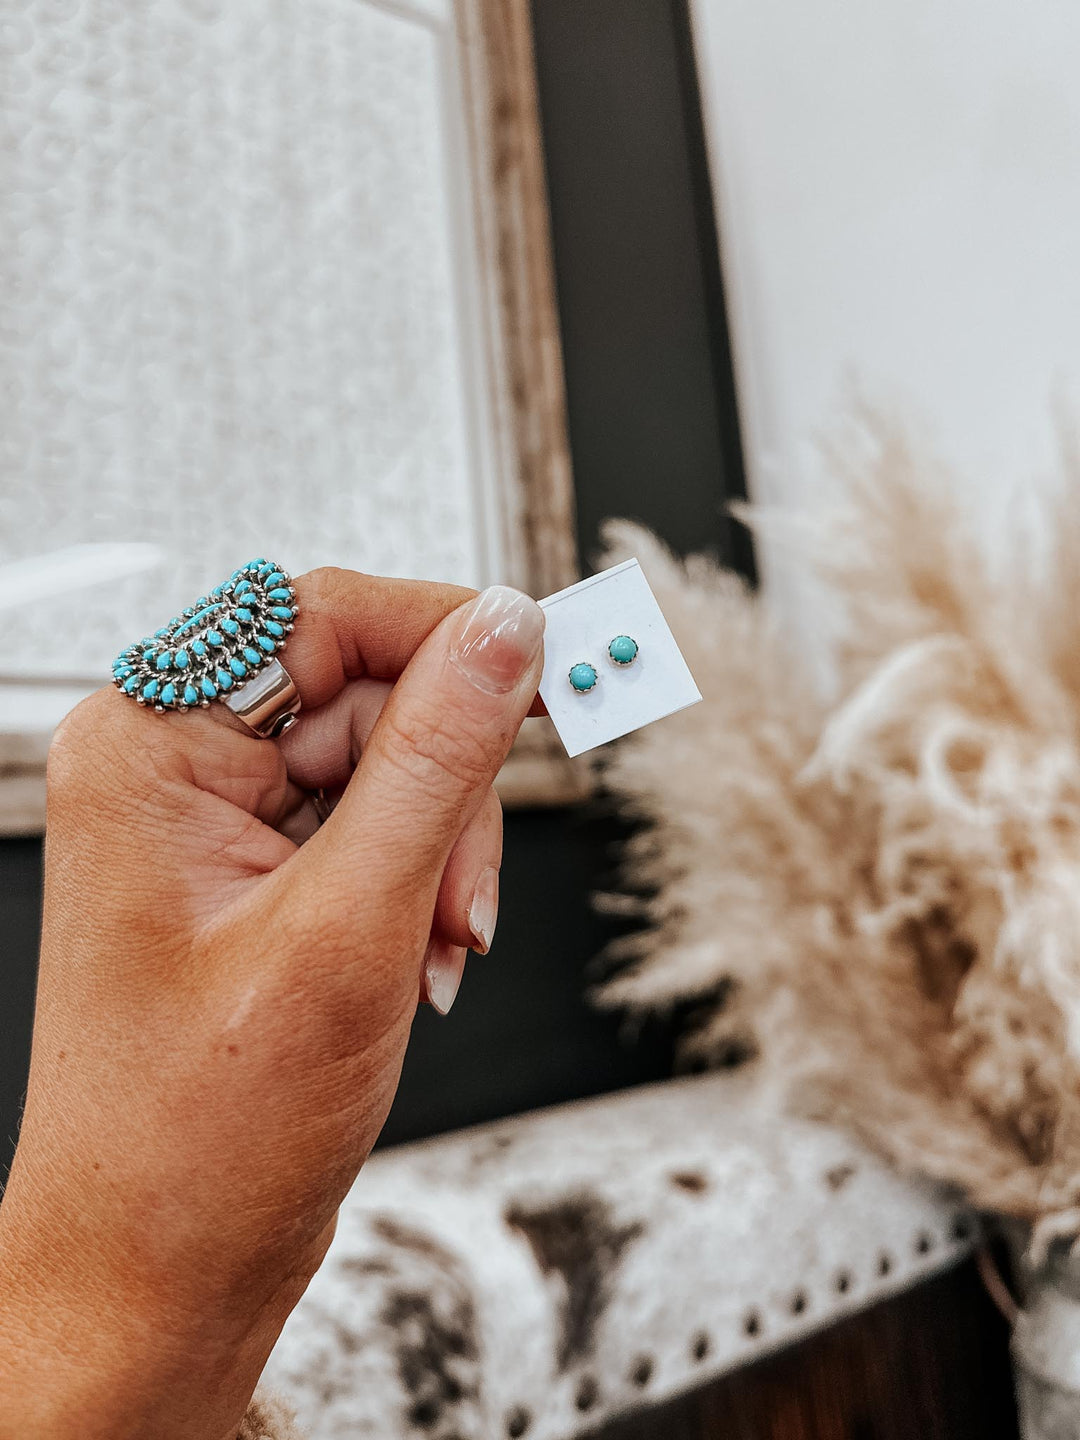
{"points": [[583, 677], [218, 644], [623, 650]]}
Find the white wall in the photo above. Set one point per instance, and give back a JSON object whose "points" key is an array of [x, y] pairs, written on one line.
{"points": [[898, 187]]}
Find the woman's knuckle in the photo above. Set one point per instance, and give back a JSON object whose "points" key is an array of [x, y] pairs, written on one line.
{"points": [[323, 587], [77, 739]]}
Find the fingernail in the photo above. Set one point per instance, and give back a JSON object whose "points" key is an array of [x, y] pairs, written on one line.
{"points": [[443, 968], [499, 638], [484, 910]]}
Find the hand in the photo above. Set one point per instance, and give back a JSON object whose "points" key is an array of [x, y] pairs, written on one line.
{"points": [[222, 1011]]}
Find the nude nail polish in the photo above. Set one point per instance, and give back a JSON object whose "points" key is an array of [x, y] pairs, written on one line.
{"points": [[499, 638], [484, 910], [444, 965]]}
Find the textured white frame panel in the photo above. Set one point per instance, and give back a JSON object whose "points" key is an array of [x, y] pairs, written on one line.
{"points": [[251, 301]]}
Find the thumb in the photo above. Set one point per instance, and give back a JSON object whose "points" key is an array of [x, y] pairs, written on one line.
{"points": [[443, 734]]}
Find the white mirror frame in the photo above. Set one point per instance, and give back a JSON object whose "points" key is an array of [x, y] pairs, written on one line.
{"points": [[513, 360]]}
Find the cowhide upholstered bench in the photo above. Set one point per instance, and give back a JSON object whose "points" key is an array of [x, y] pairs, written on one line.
{"points": [[556, 1273]]}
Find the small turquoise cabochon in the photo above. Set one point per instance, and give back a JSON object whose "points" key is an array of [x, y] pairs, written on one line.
{"points": [[583, 677], [623, 650]]}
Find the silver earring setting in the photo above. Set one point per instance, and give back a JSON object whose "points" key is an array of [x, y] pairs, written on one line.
{"points": [[583, 677], [622, 651]]}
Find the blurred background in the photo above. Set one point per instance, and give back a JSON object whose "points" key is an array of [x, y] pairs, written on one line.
{"points": [[435, 287]]}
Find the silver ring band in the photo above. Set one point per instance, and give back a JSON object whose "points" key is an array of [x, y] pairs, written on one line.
{"points": [[269, 703]]}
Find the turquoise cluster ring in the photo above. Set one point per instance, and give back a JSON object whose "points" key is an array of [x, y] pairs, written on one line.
{"points": [[223, 647]]}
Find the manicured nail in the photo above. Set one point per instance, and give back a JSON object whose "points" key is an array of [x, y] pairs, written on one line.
{"points": [[499, 639], [443, 968], [484, 910]]}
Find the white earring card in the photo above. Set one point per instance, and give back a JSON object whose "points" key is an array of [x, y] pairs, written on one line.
{"points": [[582, 620]]}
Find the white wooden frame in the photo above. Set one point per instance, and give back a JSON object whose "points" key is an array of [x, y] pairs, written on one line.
{"points": [[511, 368]]}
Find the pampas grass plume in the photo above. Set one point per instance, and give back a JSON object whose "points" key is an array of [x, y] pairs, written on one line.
{"points": [[882, 884]]}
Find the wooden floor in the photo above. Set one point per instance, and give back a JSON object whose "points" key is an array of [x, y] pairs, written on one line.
{"points": [[933, 1364]]}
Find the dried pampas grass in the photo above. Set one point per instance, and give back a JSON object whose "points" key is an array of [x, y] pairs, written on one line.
{"points": [[883, 886]]}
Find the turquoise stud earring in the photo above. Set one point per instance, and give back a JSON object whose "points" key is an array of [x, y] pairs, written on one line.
{"points": [[623, 650], [583, 677]]}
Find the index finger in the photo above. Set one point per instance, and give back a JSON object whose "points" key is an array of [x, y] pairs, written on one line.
{"points": [[353, 625]]}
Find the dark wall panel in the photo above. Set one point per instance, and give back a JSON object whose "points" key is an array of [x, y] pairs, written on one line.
{"points": [[522, 1032], [20, 924], [649, 382]]}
